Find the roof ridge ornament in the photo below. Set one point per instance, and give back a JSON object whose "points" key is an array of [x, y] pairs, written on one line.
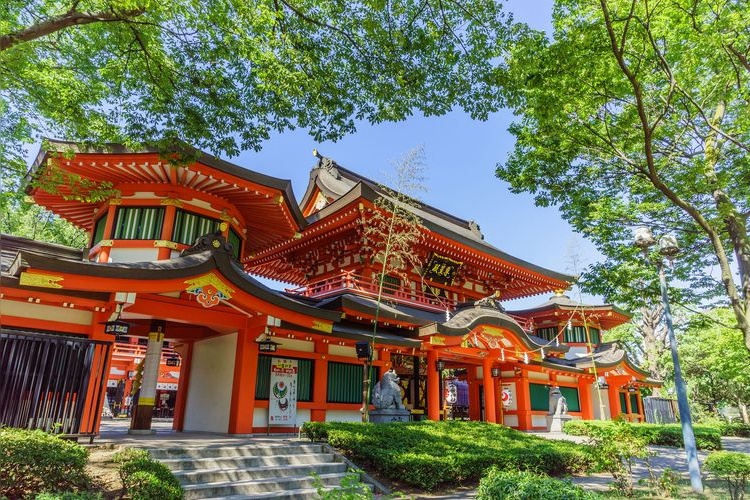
{"points": [[326, 163]]}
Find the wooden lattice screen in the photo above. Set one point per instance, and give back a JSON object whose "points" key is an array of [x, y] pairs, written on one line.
{"points": [[45, 380]]}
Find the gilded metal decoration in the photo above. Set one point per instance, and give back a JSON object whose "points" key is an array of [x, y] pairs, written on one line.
{"points": [[40, 280], [209, 290]]}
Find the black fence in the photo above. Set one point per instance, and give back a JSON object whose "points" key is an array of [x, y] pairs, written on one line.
{"points": [[51, 382]]}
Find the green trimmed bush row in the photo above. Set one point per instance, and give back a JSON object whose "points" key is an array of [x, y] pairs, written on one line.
{"points": [[737, 430], [146, 479], [428, 454], [500, 484], [707, 437], [33, 462]]}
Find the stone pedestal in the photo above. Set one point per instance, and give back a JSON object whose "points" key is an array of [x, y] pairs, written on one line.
{"points": [[389, 415], [555, 422]]}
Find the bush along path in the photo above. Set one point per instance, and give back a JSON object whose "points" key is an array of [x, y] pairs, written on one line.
{"points": [[430, 456]]}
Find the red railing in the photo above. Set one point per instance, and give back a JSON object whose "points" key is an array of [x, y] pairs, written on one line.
{"points": [[366, 287]]}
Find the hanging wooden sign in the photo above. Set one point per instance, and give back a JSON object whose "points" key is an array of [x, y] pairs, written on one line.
{"points": [[442, 269]]}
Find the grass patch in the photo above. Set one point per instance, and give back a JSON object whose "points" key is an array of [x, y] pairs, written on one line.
{"points": [[428, 455]]}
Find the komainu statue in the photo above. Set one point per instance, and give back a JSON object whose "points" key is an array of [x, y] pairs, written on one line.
{"points": [[387, 392], [557, 403]]}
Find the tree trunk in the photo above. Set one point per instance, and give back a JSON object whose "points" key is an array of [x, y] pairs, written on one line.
{"points": [[743, 412]]}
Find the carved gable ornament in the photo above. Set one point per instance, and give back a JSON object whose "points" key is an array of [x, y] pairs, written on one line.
{"points": [[209, 290]]}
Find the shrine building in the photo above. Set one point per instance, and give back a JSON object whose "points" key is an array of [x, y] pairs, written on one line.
{"points": [[165, 306]]}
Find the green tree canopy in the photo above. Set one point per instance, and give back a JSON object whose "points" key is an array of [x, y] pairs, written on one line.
{"points": [[635, 113], [715, 362], [223, 74]]}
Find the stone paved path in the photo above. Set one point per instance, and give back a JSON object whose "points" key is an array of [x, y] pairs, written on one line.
{"points": [[665, 457]]}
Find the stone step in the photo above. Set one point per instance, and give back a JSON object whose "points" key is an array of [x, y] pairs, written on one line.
{"points": [[238, 451], [205, 476], [261, 488], [186, 464]]}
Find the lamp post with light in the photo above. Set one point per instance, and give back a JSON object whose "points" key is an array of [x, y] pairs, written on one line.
{"points": [[668, 249]]}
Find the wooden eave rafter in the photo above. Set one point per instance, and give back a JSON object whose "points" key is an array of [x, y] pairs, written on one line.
{"points": [[274, 261], [266, 210]]}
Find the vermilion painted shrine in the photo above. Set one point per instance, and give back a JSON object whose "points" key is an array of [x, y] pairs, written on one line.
{"points": [[173, 251]]}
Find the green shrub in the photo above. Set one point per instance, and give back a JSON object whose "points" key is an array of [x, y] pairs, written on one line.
{"points": [[145, 479], [737, 430], [522, 485], [428, 454], [34, 462], [707, 437], [315, 431], [128, 454], [733, 467]]}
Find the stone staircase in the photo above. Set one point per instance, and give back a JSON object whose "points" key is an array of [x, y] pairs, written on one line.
{"points": [[270, 469]]}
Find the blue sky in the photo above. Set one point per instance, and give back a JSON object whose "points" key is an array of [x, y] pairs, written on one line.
{"points": [[461, 155]]}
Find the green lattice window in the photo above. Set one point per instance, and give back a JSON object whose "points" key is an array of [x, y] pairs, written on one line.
{"points": [[577, 334], [345, 382], [236, 242], [304, 378], [539, 394], [188, 227], [138, 223], [633, 403], [623, 403], [571, 398], [99, 230], [548, 333]]}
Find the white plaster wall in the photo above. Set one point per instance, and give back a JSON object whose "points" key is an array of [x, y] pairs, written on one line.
{"points": [[343, 416], [293, 344], [539, 421], [260, 417], [210, 391], [595, 403], [342, 350], [513, 395], [565, 378], [510, 420], [41, 311], [133, 254], [538, 376]]}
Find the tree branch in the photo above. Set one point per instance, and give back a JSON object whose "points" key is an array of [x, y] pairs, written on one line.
{"points": [[63, 21]]}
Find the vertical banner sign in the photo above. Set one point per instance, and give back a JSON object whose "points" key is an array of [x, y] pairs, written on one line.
{"points": [[282, 400]]}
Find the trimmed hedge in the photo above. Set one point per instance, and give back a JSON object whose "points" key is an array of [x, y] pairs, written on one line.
{"points": [[147, 479], [33, 462], [707, 437], [737, 430], [498, 484], [428, 454]]}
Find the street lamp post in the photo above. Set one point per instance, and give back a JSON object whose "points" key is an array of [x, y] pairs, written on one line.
{"points": [[668, 248]]}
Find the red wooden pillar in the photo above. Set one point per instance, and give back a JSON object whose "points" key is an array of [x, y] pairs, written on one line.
{"points": [[320, 383], [523, 397], [186, 354], [108, 232], [614, 401], [170, 213], [639, 401], [628, 407], [100, 366], [433, 387], [585, 397], [489, 392], [243, 388]]}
